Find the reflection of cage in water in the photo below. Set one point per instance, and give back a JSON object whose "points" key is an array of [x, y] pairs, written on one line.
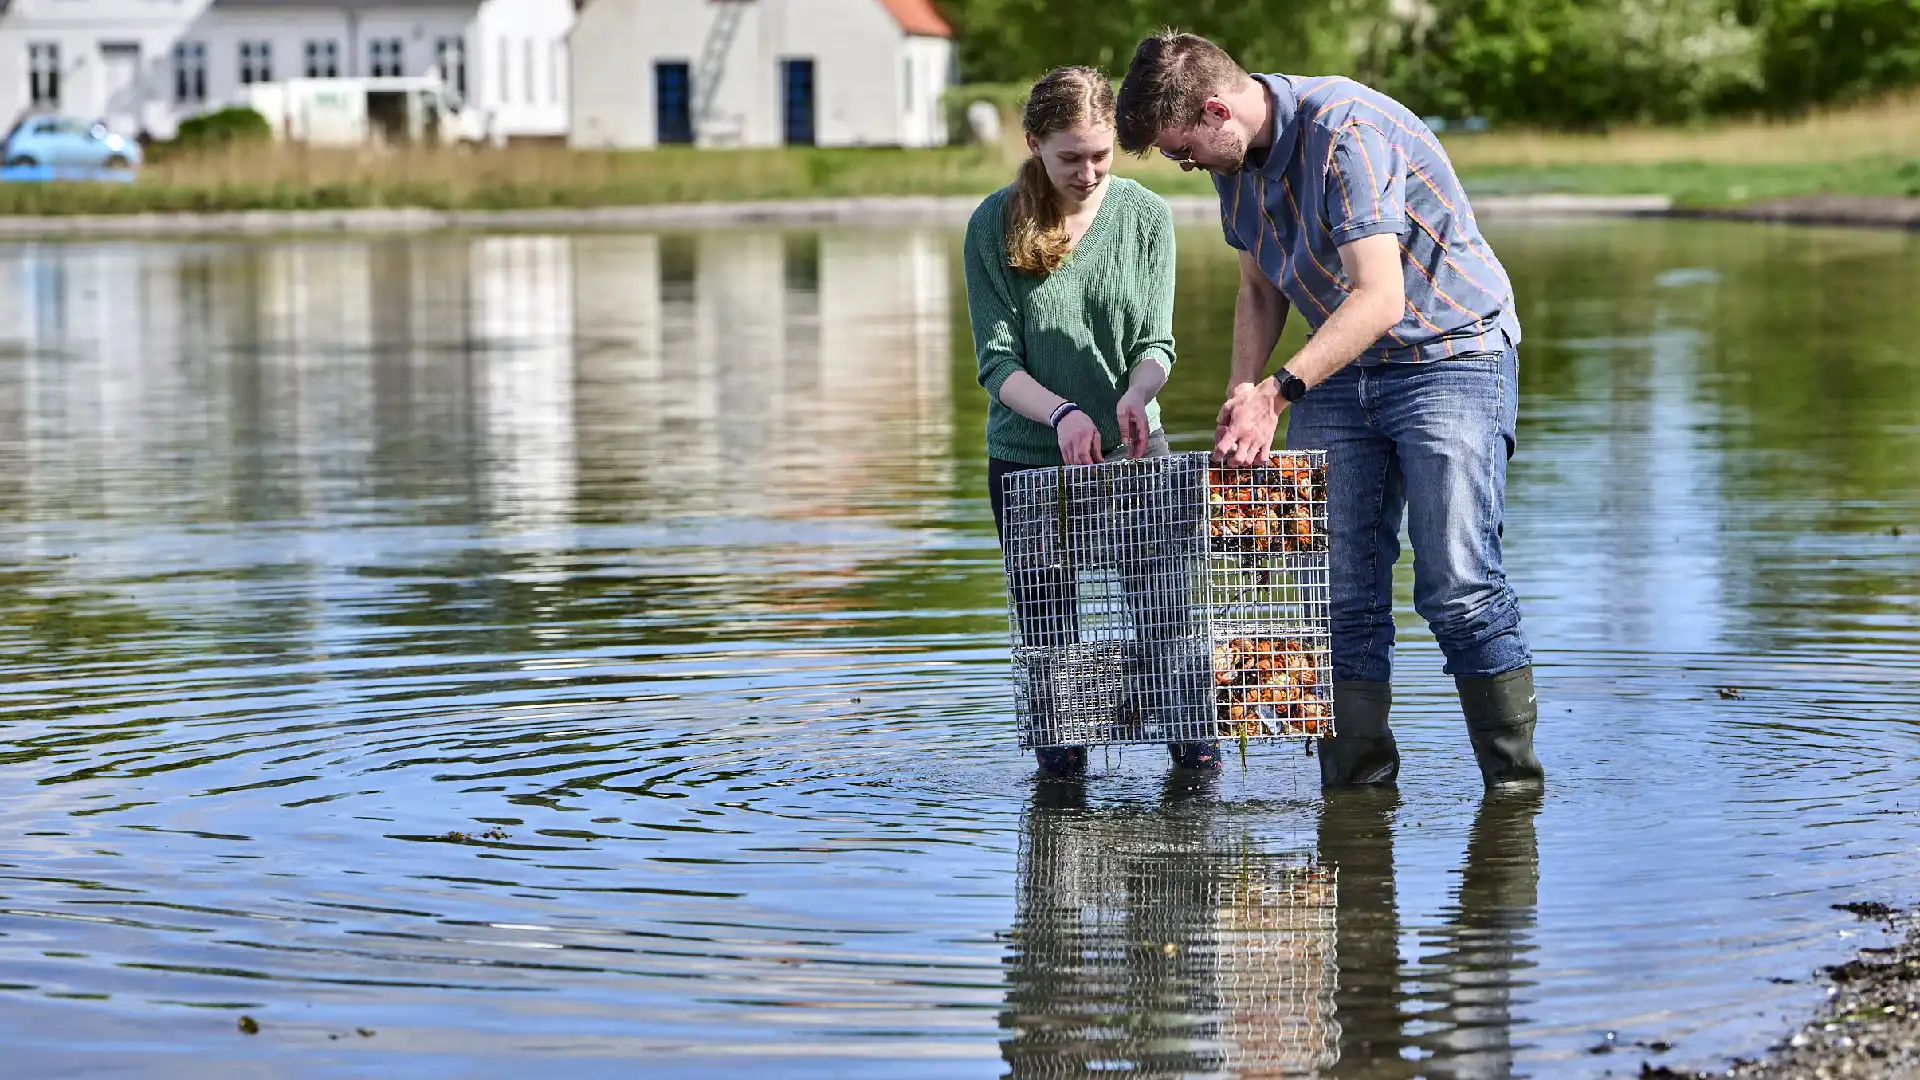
{"points": [[1168, 600], [1163, 947]]}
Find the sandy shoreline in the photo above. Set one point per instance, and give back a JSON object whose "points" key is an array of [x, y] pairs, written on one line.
{"points": [[884, 212], [1889, 212], [1864, 211], [1869, 1028]]}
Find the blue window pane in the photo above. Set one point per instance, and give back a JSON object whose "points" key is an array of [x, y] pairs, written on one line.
{"points": [[673, 105], [796, 97]]}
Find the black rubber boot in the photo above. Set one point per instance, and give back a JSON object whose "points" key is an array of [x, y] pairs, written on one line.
{"points": [[1204, 756], [1363, 751], [1501, 714], [1061, 762]]}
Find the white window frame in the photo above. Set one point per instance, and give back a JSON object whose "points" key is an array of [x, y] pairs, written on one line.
{"points": [[322, 58], [256, 62], [43, 74], [386, 57], [505, 85], [190, 73], [450, 53]]}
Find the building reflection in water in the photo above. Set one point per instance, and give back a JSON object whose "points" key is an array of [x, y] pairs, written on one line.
{"points": [[516, 388], [523, 381], [1174, 940], [766, 373]]}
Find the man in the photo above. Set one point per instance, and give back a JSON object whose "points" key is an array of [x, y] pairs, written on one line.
{"points": [[1344, 206]]}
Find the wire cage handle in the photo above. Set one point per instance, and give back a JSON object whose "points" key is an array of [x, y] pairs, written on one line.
{"points": [[1063, 491]]}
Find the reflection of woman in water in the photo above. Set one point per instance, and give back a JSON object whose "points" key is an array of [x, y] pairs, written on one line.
{"points": [[1070, 291], [1163, 941]]}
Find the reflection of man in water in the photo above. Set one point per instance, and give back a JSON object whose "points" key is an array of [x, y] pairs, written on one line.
{"points": [[1463, 995], [1164, 941]]}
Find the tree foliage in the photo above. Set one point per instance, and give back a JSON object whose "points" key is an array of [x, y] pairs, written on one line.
{"points": [[1815, 51], [1567, 63], [1018, 40]]}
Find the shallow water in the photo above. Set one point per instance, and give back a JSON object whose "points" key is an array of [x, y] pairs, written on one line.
{"points": [[668, 558]]}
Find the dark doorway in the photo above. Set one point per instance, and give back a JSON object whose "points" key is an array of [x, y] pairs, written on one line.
{"points": [[387, 115], [796, 101], [672, 102]]}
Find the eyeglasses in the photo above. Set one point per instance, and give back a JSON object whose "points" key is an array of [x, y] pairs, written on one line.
{"points": [[1181, 156]]}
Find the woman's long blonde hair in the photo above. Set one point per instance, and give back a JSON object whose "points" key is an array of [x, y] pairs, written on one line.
{"points": [[1066, 98]]}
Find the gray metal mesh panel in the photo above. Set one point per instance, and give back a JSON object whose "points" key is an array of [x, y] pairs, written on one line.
{"points": [[1167, 600], [1164, 946]]}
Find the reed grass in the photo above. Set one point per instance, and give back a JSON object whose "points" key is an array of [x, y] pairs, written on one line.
{"points": [[1868, 131], [286, 177], [1871, 148]]}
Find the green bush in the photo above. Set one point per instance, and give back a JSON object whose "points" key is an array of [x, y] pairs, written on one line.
{"points": [[1006, 98], [1568, 63], [222, 126]]}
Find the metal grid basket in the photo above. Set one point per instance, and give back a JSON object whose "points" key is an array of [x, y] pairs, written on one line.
{"points": [[1169, 600], [1161, 945]]}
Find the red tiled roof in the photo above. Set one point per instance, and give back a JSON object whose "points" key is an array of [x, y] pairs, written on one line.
{"points": [[918, 17]]}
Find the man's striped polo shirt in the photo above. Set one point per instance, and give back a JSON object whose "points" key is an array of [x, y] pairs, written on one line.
{"points": [[1348, 162]]}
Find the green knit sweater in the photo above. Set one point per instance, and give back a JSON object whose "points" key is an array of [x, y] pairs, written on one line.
{"points": [[1078, 331]]}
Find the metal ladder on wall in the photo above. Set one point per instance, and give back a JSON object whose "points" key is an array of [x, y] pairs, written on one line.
{"points": [[713, 60]]}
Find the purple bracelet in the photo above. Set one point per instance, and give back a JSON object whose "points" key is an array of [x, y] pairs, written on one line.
{"points": [[1060, 412]]}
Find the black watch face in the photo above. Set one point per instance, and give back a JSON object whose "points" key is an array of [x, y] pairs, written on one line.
{"points": [[1291, 387]]}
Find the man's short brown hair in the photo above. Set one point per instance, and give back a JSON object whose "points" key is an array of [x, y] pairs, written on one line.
{"points": [[1171, 77]]}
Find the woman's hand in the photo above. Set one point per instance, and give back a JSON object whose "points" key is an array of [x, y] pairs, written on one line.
{"points": [[1079, 439], [1132, 414]]}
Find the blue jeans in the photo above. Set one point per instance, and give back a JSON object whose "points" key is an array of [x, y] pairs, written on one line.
{"points": [[1429, 442]]}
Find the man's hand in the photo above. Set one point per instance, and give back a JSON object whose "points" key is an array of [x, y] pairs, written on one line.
{"points": [[1132, 414], [1247, 423], [1079, 439]]}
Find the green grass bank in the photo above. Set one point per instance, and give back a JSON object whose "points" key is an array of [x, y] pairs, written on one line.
{"points": [[1871, 150]]}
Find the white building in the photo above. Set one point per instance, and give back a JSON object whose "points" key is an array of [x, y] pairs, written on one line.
{"points": [[760, 73], [145, 65]]}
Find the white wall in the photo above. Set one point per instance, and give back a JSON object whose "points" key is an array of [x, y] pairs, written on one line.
{"points": [[857, 50], [860, 60], [289, 29], [929, 60], [530, 96], [612, 87], [80, 27]]}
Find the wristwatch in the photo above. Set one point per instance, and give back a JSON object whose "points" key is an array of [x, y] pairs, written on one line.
{"points": [[1291, 387]]}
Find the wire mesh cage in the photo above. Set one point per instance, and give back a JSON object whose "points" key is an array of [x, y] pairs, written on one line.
{"points": [[1167, 599], [1152, 944]]}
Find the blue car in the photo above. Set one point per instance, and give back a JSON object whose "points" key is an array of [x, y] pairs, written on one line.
{"points": [[62, 142]]}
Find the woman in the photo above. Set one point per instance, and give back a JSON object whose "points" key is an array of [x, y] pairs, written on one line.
{"points": [[1070, 292]]}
